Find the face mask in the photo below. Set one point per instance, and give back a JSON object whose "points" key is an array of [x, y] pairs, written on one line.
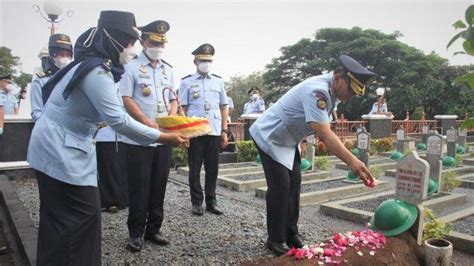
{"points": [[127, 55], [205, 67], [254, 96], [62, 62], [154, 53]]}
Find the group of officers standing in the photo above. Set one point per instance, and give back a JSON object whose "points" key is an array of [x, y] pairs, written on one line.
{"points": [[108, 85], [144, 91]]}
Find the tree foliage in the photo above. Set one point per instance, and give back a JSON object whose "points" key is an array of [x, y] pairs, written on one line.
{"points": [[237, 88], [7, 61], [415, 79]]}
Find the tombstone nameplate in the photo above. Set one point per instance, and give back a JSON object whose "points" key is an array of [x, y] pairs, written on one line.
{"points": [[401, 140], [462, 134], [401, 134], [310, 151], [451, 135], [363, 144], [433, 156], [412, 179], [424, 129]]}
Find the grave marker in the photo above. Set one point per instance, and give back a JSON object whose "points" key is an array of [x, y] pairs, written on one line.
{"points": [[412, 186], [310, 151], [434, 151], [451, 136], [462, 134], [401, 140], [363, 144], [424, 131]]}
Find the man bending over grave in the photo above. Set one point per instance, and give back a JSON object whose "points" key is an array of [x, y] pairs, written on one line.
{"points": [[303, 110]]}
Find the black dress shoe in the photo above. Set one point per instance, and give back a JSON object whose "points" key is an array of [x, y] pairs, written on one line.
{"points": [[294, 241], [134, 244], [197, 210], [278, 248], [213, 209], [158, 239]]}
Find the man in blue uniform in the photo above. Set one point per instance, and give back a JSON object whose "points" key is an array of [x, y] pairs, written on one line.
{"points": [[147, 92], [5, 80], [61, 148], [10, 103], [303, 110], [203, 94], [60, 55], [256, 104]]}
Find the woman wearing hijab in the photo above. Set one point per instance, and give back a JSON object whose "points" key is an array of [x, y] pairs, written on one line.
{"points": [[61, 148]]}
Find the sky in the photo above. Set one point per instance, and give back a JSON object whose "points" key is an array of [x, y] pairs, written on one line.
{"points": [[246, 34]]}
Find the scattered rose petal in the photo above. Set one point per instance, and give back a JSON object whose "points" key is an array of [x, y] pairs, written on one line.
{"points": [[372, 253], [360, 253]]}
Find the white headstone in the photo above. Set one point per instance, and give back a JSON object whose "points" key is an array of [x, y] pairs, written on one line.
{"points": [[401, 134], [433, 156], [424, 130], [363, 141], [451, 135], [434, 144], [411, 183]]}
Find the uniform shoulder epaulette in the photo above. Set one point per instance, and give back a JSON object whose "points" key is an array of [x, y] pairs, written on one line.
{"points": [[216, 76], [41, 75], [107, 64], [164, 62], [186, 76]]}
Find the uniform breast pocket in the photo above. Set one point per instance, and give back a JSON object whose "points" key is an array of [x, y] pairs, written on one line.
{"points": [[81, 144], [282, 134], [216, 94]]}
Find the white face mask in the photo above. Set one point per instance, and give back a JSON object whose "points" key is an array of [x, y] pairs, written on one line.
{"points": [[205, 67], [127, 55], [254, 96], [154, 53], [62, 62]]}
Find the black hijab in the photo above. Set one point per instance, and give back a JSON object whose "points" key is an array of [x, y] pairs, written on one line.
{"points": [[94, 48]]}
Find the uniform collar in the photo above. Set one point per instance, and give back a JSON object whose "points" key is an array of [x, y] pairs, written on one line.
{"points": [[144, 61], [198, 76]]}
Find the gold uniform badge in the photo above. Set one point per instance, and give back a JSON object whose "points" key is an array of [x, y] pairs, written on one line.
{"points": [[146, 91], [195, 95], [322, 104]]}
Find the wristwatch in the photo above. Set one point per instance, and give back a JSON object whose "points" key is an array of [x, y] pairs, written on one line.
{"points": [[225, 131]]}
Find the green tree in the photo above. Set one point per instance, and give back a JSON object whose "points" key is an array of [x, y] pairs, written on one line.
{"points": [[468, 45], [23, 79], [415, 79], [237, 88], [7, 61]]}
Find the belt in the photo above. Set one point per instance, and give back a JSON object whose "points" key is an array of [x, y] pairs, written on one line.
{"points": [[201, 106]]}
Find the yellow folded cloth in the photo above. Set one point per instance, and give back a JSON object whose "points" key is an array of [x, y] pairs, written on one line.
{"points": [[188, 126]]}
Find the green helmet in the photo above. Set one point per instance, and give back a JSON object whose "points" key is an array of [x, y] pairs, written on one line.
{"points": [[258, 159], [421, 147], [448, 161], [356, 152], [305, 165], [460, 149], [396, 155], [351, 176], [394, 217], [432, 187]]}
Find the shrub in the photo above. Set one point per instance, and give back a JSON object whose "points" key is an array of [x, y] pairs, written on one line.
{"points": [[450, 181], [417, 113], [322, 162], [459, 160], [179, 157], [383, 145], [435, 228], [349, 144], [376, 171], [246, 151]]}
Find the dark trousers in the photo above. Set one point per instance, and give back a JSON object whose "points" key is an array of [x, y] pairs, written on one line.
{"points": [[283, 196], [148, 171], [112, 170], [204, 148], [70, 225]]}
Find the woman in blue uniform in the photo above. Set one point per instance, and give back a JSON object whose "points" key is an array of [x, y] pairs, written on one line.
{"points": [[61, 148], [304, 110]]}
